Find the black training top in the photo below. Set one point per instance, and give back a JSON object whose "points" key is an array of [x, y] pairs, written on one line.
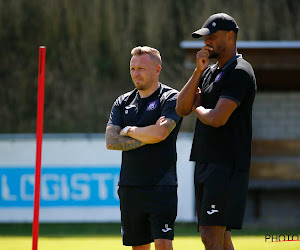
{"points": [[230, 143], [151, 164]]}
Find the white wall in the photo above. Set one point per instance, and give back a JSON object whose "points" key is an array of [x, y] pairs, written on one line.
{"points": [[79, 179]]}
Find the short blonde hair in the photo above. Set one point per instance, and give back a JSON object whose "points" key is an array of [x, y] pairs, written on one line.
{"points": [[154, 53]]}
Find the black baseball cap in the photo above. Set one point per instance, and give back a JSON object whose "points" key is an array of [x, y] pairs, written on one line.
{"points": [[219, 21]]}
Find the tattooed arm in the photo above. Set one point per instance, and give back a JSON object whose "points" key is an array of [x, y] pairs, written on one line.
{"points": [[138, 136], [153, 133], [115, 141]]}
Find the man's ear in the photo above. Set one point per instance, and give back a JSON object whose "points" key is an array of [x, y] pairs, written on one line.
{"points": [[158, 68], [230, 34]]}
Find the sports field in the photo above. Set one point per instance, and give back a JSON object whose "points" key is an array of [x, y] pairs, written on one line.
{"points": [[107, 236]]}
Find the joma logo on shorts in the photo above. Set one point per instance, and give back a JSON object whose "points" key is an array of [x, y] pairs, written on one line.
{"points": [[213, 210], [166, 229]]}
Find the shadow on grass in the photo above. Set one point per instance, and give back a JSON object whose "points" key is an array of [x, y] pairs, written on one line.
{"points": [[113, 229]]}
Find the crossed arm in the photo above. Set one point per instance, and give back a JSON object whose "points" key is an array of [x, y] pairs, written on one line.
{"points": [[116, 141], [190, 101], [138, 136], [217, 116]]}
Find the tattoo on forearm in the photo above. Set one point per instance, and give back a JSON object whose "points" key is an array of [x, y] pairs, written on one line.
{"points": [[169, 125], [118, 142]]}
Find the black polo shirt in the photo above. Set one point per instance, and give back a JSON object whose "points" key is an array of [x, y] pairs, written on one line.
{"points": [[151, 164], [230, 143]]}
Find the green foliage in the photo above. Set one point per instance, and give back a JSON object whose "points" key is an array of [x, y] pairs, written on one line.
{"points": [[88, 51]]}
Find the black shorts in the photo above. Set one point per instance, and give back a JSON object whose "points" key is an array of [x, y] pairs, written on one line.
{"points": [[221, 192], [147, 213]]}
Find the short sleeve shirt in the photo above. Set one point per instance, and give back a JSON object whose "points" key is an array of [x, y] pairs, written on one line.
{"points": [[151, 164], [230, 143]]}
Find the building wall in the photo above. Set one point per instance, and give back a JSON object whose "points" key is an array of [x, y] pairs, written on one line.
{"points": [[275, 161], [276, 115]]}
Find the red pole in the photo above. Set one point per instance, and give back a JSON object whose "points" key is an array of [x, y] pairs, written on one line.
{"points": [[39, 139]]}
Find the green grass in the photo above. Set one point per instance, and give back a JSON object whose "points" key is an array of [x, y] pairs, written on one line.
{"points": [[107, 237]]}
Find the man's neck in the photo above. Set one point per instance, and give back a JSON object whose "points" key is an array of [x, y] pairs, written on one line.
{"points": [[147, 92], [222, 60]]}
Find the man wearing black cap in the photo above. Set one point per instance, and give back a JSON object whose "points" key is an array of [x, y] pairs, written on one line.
{"points": [[221, 95]]}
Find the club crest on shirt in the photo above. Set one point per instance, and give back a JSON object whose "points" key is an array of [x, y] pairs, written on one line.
{"points": [[152, 105], [218, 77]]}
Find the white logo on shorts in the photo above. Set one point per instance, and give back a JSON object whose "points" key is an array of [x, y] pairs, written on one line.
{"points": [[213, 210], [166, 229]]}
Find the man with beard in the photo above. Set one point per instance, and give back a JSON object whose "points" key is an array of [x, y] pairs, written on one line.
{"points": [[143, 124], [221, 96]]}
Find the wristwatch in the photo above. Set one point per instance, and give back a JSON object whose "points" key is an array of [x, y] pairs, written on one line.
{"points": [[126, 130]]}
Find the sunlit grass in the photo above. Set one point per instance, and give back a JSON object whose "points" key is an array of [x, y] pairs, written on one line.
{"points": [[107, 237], [115, 243]]}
